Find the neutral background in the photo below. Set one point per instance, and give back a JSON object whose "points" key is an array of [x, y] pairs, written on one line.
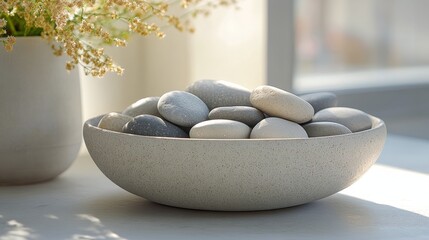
{"points": [[377, 65], [236, 53]]}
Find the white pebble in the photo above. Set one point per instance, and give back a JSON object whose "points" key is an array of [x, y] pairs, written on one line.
{"points": [[274, 127], [220, 129], [279, 103]]}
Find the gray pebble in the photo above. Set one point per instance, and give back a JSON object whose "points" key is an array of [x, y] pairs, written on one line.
{"points": [[220, 129], [182, 108], [114, 121], [149, 125], [353, 119], [217, 93], [321, 100], [274, 127], [247, 115], [186, 129], [148, 105], [279, 103], [321, 129]]}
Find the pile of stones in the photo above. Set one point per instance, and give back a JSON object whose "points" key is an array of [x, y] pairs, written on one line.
{"points": [[215, 109]]}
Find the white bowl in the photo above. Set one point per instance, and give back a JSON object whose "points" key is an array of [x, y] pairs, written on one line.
{"points": [[233, 175]]}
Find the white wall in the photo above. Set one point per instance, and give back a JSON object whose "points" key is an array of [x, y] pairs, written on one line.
{"points": [[231, 45], [151, 68], [228, 45]]}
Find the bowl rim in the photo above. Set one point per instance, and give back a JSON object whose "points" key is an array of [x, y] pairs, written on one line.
{"points": [[377, 123]]}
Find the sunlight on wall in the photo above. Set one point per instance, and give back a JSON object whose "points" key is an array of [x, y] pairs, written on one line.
{"points": [[152, 67], [228, 45]]}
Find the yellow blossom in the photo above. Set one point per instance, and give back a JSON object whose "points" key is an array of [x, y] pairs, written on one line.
{"points": [[8, 43], [3, 23], [81, 28]]}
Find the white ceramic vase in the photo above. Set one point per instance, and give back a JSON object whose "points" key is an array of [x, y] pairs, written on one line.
{"points": [[40, 113]]}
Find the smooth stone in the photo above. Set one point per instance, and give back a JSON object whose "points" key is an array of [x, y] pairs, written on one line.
{"points": [[321, 100], [279, 103], [321, 129], [220, 129], [114, 121], [182, 108], [247, 115], [354, 119], [148, 105], [149, 125], [274, 127], [218, 93]]}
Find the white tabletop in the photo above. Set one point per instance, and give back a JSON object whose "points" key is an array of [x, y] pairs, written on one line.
{"points": [[391, 201]]}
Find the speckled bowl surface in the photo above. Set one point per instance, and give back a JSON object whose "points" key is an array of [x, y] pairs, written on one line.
{"points": [[233, 175]]}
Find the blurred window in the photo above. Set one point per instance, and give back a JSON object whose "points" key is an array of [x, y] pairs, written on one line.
{"points": [[368, 37]]}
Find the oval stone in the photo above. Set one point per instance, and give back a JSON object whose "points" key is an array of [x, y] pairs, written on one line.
{"points": [[149, 125], [354, 119], [218, 93], [148, 105], [274, 127], [279, 103], [321, 129], [182, 108], [220, 129], [114, 121], [247, 115], [321, 100]]}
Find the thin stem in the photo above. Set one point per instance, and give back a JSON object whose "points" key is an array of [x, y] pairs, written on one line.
{"points": [[11, 26]]}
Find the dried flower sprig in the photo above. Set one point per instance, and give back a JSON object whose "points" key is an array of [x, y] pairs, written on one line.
{"points": [[80, 28]]}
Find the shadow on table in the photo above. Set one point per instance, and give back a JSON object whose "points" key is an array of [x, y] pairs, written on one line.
{"points": [[336, 217]]}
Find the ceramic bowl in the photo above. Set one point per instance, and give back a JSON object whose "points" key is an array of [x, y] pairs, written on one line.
{"points": [[233, 175]]}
